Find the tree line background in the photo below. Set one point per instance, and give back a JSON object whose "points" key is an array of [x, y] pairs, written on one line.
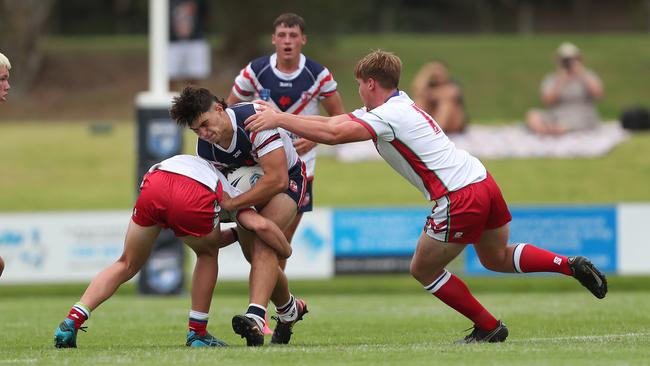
{"points": [[24, 23]]}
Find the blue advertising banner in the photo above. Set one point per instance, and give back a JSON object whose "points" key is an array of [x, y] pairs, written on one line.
{"points": [[377, 232], [567, 230]]}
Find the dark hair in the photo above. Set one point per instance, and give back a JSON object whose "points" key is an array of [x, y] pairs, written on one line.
{"points": [[192, 103], [289, 20]]}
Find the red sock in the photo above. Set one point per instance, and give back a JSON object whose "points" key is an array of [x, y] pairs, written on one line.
{"points": [[529, 258], [453, 292], [77, 316], [200, 327]]}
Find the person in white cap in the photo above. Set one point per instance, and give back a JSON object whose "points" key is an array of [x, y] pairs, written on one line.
{"points": [[570, 95]]}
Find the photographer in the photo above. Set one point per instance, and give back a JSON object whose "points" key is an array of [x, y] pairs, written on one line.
{"points": [[569, 94]]}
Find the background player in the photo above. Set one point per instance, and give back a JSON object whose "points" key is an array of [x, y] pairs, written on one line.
{"points": [[297, 84], [182, 193], [224, 141], [468, 205], [5, 66]]}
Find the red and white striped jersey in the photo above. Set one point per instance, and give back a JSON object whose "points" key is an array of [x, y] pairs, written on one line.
{"points": [[413, 144], [298, 92]]}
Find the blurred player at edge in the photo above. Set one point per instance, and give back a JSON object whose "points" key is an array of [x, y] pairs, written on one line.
{"points": [[5, 66], [297, 84], [468, 205], [183, 193]]}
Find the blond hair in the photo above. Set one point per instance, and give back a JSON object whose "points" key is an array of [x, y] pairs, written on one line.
{"points": [[384, 67], [4, 61]]}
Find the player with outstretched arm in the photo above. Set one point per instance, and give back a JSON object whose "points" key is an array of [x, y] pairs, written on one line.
{"points": [[468, 207]]}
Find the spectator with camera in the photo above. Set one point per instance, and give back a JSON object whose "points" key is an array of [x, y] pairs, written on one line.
{"points": [[570, 95]]}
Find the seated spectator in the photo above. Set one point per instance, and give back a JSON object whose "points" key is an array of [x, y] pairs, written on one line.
{"points": [[570, 95], [440, 96]]}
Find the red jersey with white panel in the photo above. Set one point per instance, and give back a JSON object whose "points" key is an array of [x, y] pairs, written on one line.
{"points": [[414, 145], [298, 92]]}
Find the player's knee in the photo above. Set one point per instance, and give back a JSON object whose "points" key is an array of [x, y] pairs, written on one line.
{"points": [[418, 271], [127, 267]]}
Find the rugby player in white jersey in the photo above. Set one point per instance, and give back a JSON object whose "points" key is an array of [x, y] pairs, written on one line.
{"points": [[183, 193], [297, 84], [468, 207]]}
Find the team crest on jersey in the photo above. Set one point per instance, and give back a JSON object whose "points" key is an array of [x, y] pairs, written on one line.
{"points": [[284, 101], [306, 96]]}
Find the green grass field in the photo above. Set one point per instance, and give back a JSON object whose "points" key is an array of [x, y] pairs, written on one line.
{"points": [[66, 167], [381, 320], [364, 320]]}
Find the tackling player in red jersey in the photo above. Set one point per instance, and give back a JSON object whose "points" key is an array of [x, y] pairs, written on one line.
{"points": [[183, 193]]}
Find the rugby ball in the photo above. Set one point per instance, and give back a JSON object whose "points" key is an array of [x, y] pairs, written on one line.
{"points": [[245, 177]]}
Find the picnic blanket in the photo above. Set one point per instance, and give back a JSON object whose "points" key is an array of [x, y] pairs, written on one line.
{"points": [[514, 141]]}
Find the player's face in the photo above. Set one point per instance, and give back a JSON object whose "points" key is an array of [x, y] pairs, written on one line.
{"points": [[364, 91], [288, 42], [4, 83], [209, 126]]}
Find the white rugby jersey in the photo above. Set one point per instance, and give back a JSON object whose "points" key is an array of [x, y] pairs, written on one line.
{"points": [[298, 92], [415, 146], [198, 169]]}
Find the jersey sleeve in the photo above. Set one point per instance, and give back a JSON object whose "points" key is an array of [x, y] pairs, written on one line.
{"points": [[329, 85], [245, 85], [378, 127], [266, 141]]}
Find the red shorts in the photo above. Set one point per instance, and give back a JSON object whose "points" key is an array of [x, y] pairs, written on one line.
{"points": [[463, 215], [178, 202]]}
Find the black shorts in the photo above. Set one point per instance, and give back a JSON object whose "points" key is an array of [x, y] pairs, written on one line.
{"points": [[307, 205], [297, 183]]}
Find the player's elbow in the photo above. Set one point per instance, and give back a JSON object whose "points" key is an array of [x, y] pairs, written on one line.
{"points": [[279, 183]]}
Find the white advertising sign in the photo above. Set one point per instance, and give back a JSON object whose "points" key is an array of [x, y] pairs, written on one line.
{"points": [[60, 246]]}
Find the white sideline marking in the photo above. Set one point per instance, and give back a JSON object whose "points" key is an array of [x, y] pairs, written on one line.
{"points": [[21, 360], [581, 338]]}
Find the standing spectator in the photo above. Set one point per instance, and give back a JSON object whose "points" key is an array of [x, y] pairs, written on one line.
{"points": [[189, 50], [440, 96], [570, 95], [5, 66]]}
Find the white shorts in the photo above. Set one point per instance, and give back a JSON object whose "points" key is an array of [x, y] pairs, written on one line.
{"points": [[189, 60]]}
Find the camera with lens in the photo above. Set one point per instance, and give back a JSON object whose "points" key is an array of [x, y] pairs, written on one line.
{"points": [[566, 62]]}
